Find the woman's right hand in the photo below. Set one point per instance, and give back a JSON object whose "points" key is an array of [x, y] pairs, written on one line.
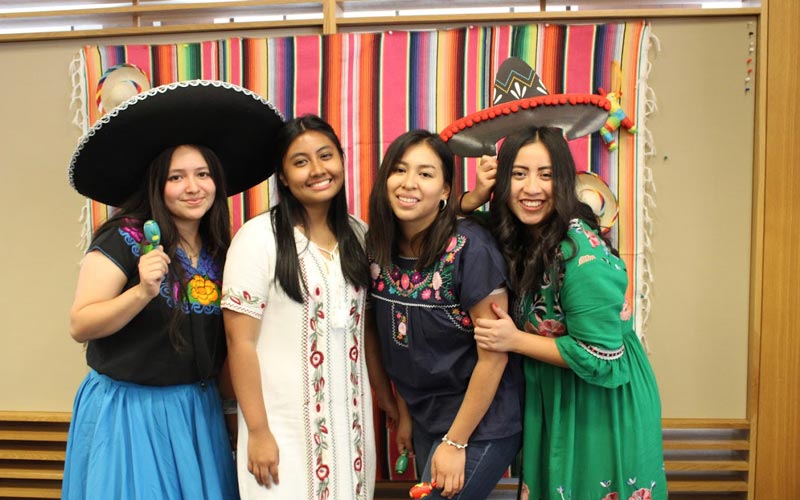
{"points": [[404, 433], [263, 457], [497, 335], [485, 177], [153, 266]]}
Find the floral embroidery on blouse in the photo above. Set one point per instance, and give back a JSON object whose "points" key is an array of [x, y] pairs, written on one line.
{"points": [[315, 309], [356, 392], [551, 328], [532, 309], [244, 298], [461, 317], [577, 227], [203, 291], [203, 283], [317, 313], [433, 283], [401, 328], [458, 317], [133, 238]]}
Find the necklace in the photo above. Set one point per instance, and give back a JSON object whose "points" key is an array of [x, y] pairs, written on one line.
{"points": [[190, 253], [329, 253]]}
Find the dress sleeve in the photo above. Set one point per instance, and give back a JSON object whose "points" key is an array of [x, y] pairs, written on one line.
{"points": [[249, 268], [482, 268], [592, 298], [122, 246]]}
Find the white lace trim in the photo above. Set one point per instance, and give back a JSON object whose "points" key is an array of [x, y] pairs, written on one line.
{"points": [[603, 354], [415, 304]]}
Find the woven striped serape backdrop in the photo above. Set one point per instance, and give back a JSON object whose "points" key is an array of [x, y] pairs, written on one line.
{"points": [[374, 86]]}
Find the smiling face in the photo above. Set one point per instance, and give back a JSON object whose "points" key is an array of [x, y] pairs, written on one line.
{"points": [[313, 169], [189, 190], [415, 188], [530, 196]]}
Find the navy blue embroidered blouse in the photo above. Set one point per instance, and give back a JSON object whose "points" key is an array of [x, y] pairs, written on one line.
{"points": [[426, 332], [141, 352]]}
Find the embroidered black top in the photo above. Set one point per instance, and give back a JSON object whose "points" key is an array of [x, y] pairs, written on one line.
{"points": [[141, 352]]}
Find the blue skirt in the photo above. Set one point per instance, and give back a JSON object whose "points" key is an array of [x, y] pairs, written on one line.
{"points": [[136, 442]]}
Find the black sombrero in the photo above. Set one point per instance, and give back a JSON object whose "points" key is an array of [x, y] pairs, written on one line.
{"points": [[237, 124]]}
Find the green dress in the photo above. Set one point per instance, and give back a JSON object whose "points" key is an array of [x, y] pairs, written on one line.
{"points": [[591, 431]]}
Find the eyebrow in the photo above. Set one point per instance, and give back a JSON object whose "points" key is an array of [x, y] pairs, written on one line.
{"points": [[420, 166], [543, 167], [303, 153], [173, 170]]}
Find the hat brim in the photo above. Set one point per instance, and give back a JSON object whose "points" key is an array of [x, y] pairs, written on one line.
{"points": [[237, 124], [593, 191], [477, 134]]}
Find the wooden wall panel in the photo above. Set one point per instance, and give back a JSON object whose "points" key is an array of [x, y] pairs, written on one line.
{"points": [[778, 412]]}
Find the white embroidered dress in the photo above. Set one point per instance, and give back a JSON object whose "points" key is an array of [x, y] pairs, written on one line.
{"points": [[313, 373]]}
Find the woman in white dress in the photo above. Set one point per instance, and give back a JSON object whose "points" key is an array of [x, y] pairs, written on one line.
{"points": [[293, 305]]}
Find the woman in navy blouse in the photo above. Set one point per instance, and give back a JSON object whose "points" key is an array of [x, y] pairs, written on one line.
{"points": [[432, 276]]}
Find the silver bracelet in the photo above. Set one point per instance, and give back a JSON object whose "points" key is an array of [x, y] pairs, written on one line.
{"points": [[459, 446]]}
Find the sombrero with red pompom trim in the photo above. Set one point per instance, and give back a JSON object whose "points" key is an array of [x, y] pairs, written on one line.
{"points": [[521, 100]]}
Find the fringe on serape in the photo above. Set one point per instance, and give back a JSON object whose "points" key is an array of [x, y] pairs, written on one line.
{"points": [[77, 106], [646, 106]]}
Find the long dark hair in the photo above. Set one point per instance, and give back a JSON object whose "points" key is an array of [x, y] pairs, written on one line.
{"points": [[290, 212], [382, 236], [148, 203], [530, 253]]}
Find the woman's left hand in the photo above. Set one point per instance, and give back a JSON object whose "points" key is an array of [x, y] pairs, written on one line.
{"points": [[497, 335], [447, 469]]}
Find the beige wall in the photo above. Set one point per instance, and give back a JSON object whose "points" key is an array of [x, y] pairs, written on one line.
{"points": [[40, 366], [703, 133], [698, 323]]}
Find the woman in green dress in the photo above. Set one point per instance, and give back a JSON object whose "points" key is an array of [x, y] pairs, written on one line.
{"points": [[592, 424]]}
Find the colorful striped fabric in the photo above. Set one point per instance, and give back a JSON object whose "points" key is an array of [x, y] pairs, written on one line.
{"points": [[373, 86]]}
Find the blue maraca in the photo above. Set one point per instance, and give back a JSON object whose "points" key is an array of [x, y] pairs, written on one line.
{"points": [[152, 236]]}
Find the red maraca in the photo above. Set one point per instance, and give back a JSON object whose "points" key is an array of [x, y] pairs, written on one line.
{"points": [[421, 490]]}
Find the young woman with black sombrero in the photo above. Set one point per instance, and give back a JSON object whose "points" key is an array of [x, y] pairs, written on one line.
{"points": [[148, 418]]}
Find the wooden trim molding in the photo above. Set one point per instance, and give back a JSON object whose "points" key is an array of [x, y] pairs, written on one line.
{"points": [[777, 409], [329, 21]]}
